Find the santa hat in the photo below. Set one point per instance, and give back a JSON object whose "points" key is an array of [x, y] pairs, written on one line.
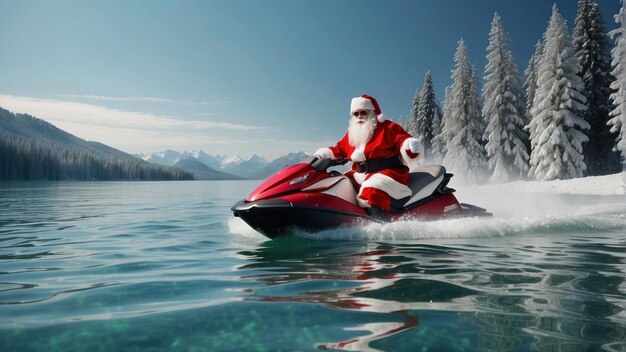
{"points": [[366, 102]]}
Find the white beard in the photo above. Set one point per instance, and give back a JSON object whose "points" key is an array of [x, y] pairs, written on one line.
{"points": [[360, 131]]}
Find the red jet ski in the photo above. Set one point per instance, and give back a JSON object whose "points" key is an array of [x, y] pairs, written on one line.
{"points": [[310, 197]]}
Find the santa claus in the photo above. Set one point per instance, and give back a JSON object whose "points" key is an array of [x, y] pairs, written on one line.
{"points": [[382, 152]]}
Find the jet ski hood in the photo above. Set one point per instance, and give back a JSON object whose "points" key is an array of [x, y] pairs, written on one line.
{"points": [[290, 179]]}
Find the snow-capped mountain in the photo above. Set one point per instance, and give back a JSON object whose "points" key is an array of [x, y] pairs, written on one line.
{"points": [[166, 158], [171, 157], [212, 161], [230, 161], [244, 168], [235, 165]]}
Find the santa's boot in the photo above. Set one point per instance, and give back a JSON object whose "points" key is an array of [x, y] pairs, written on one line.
{"points": [[376, 203], [378, 214]]}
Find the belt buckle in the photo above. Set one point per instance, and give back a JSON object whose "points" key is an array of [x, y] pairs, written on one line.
{"points": [[363, 167]]}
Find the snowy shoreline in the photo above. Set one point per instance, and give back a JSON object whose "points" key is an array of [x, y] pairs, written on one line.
{"points": [[593, 185]]}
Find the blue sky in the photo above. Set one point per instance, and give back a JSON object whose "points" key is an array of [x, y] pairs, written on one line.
{"points": [[237, 77]]}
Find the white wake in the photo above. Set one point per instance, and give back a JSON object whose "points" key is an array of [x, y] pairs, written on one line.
{"points": [[518, 208]]}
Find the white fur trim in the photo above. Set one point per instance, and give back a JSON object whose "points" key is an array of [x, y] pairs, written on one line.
{"points": [[358, 154], [359, 177], [361, 103], [362, 202], [381, 118], [411, 163], [387, 184], [325, 153]]}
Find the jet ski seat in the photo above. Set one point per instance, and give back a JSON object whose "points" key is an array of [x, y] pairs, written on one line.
{"points": [[424, 181]]}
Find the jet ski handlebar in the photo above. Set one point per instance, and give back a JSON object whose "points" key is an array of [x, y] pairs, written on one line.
{"points": [[321, 164]]}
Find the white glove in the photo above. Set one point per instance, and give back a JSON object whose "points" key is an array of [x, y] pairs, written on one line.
{"points": [[412, 153], [324, 153], [415, 146]]}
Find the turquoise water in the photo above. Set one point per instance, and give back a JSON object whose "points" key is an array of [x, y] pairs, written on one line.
{"points": [[163, 266]]}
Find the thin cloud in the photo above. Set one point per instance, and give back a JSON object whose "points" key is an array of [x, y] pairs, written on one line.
{"points": [[127, 130], [132, 140], [135, 132], [139, 99], [93, 115], [207, 103]]}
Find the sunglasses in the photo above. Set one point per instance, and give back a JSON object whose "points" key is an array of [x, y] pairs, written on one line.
{"points": [[362, 113]]}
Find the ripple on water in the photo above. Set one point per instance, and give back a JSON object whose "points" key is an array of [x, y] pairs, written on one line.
{"points": [[156, 266]]}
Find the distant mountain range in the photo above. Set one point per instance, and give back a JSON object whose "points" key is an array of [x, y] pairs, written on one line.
{"points": [[234, 167], [33, 149], [278, 164]]}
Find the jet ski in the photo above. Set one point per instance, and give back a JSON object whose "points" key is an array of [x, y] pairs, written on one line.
{"points": [[310, 197]]}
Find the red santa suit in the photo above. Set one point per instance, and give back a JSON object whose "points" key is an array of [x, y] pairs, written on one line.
{"points": [[387, 141]]}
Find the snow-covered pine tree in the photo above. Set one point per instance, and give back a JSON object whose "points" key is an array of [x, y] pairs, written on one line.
{"points": [[503, 109], [441, 140], [478, 154], [618, 97], [404, 122], [530, 79], [438, 149], [475, 104], [555, 130], [591, 43], [464, 124], [428, 121], [411, 124], [448, 113], [530, 86]]}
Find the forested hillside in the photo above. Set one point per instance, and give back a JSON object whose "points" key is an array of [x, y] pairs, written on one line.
{"points": [[32, 149]]}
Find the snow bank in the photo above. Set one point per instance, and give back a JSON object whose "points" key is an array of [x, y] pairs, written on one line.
{"points": [[537, 199], [594, 185]]}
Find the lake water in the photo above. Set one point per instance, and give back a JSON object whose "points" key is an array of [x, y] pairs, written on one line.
{"points": [[163, 266]]}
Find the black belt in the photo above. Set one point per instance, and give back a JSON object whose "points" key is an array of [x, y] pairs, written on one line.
{"points": [[380, 164]]}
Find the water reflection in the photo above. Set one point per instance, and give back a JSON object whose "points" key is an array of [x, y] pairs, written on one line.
{"points": [[377, 280], [541, 297], [377, 332]]}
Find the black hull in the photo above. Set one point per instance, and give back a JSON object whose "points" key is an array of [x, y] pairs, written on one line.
{"points": [[277, 217], [470, 210], [274, 218]]}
